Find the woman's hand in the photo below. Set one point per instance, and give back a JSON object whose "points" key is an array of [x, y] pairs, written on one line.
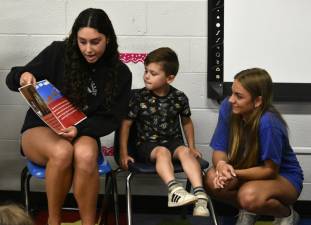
{"points": [[221, 182], [225, 170], [69, 133], [224, 174], [27, 78], [124, 160]]}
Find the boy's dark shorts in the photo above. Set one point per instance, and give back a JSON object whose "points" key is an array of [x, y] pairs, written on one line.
{"points": [[145, 149]]}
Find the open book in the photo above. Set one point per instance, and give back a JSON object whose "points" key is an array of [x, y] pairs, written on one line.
{"points": [[51, 106]]}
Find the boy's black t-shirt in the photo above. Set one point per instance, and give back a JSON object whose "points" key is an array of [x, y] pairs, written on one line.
{"points": [[157, 117]]}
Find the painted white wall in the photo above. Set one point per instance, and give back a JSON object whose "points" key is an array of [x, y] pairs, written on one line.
{"points": [[141, 26]]}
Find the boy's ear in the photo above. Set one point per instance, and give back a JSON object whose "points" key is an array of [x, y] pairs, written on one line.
{"points": [[170, 78]]}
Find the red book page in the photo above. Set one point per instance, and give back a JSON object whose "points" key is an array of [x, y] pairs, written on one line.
{"points": [[66, 113]]}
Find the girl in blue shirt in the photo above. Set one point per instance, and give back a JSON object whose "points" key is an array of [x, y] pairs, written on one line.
{"points": [[254, 166]]}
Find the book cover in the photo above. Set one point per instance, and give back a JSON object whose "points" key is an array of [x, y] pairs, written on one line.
{"points": [[51, 106]]}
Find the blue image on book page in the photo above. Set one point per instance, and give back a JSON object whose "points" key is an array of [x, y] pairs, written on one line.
{"points": [[47, 91]]}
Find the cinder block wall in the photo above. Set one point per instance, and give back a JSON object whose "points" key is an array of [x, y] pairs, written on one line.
{"points": [[141, 26]]}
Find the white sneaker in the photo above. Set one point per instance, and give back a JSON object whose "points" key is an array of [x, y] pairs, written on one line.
{"points": [[246, 218], [200, 208], [292, 219], [179, 196]]}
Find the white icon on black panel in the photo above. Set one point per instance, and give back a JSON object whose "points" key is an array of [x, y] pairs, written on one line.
{"points": [[218, 32], [217, 69], [217, 40], [217, 76], [217, 54]]}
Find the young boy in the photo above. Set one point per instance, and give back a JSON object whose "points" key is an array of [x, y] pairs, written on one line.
{"points": [[157, 109]]}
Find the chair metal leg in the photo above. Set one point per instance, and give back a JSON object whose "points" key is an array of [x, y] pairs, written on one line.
{"points": [[115, 196], [188, 185], [25, 188], [23, 180], [129, 199], [212, 211], [211, 206], [185, 207], [103, 215]]}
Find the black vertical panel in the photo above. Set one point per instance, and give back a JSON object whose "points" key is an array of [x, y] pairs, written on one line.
{"points": [[217, 88], [215, 48]]}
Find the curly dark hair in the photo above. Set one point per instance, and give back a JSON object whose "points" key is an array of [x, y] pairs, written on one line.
{"points": [[76, 79]]}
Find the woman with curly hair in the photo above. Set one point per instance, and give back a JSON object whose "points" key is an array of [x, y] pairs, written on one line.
{"points": [[87, 70], [254, 166]]}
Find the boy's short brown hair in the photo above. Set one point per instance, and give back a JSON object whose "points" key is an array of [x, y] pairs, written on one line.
{"points": [[166, 57]]}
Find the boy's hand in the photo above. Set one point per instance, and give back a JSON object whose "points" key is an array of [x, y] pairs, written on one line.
{"points": [[195, 152], [124, 160]]}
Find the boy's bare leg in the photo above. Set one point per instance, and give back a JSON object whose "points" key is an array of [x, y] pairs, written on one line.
{"points": [[164, 165], [192, 169], [190, 165]]}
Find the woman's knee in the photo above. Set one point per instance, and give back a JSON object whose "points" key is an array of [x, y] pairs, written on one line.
{"points": [[86, 159], [62, 155], [208, 181], [249, 198]]}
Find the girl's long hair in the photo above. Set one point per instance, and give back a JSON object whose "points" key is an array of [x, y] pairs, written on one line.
{"points": [[244, 144], [77, 76]]}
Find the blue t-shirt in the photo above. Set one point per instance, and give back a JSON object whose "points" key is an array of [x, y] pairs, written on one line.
{"points": [[274, 143]]}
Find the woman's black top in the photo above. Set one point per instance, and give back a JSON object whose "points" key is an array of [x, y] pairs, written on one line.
{"points": [[49, 64]]}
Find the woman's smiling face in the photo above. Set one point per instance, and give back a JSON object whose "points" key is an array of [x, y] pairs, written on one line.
{"points": [[242, 101]]}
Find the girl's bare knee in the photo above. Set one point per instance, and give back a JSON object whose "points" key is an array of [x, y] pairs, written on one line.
{"points": [[62, 155], [86, 160], [248, 198], [208, 181]]}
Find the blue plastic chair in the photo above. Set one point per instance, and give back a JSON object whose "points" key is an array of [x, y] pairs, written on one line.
{"points": [[104, 168]]}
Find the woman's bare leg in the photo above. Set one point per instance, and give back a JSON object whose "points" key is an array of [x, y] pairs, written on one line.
{"points": [[263, 197], [227, 194], [86, 178], [268, 197], [44, 147]]}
